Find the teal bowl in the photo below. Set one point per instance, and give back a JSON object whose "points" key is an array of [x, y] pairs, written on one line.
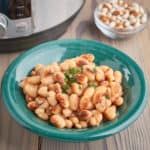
{"points": [[134, 85]]}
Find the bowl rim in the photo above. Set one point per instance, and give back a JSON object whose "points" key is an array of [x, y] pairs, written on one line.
{"points": [[117, 31], [80, 136]]}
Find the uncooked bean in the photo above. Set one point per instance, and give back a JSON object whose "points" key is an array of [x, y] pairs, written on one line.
{"points": [[117, 14]]}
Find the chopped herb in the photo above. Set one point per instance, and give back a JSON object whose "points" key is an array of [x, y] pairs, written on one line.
{"points": [[66, 74], [75, 70], [71, 80], [65, 88], [107, 96], [81, 68], [94, 69], [80, 87], [66, 80], [93, 84], [70, 75]]}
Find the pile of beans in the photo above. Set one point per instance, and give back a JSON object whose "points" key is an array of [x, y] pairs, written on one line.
{"points": [[122, 15], [75, 93]]}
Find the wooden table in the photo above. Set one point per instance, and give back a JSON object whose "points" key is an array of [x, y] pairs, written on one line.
{"points": [[136, 137]]}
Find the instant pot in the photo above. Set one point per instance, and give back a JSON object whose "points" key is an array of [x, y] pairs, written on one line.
{"points": [[26, 23]]}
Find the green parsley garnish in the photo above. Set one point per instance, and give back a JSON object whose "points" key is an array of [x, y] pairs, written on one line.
{"points": [[65, 88], [75, 70], [80, 87], [94, 69], [107, 96], [93, 84], [72, 80], [70, 77]]}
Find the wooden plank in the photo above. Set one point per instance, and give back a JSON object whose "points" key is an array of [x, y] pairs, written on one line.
{"points": [[137, 136], [12, 135]]}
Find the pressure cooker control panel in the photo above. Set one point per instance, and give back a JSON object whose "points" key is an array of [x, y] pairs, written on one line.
{"points": [[17, 15]]}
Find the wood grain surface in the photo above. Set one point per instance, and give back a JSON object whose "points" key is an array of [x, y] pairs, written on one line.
{"points": [[135, 137]]}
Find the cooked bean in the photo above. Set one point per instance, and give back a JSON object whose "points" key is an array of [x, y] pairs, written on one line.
{"points": [[100, 76], [81, 62], [30, 90], [83, 124], [118, 101], [34, 79], [69, 123], [23, 83], [118, 76], [101, 107], [85, 114], [32, 105], [74, 101], [109, 75], [43, 91], [85, 103], [64, 66], [52, 98], [40, 112], [39, 68], [66, 112], [110, 113], [99, 92], [89, 73], [56, 109], [74, 120], [39, 100], [63, 99], [74, 94], [76, 88], [46, 80], [28, 98], [78, 126], [98, 116], [59, 77], [93, 121], [81, 78], [44, 105], [88, 57], [104, 68], [71, 63], [54, 67], [89, 92], [58, 121]]}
